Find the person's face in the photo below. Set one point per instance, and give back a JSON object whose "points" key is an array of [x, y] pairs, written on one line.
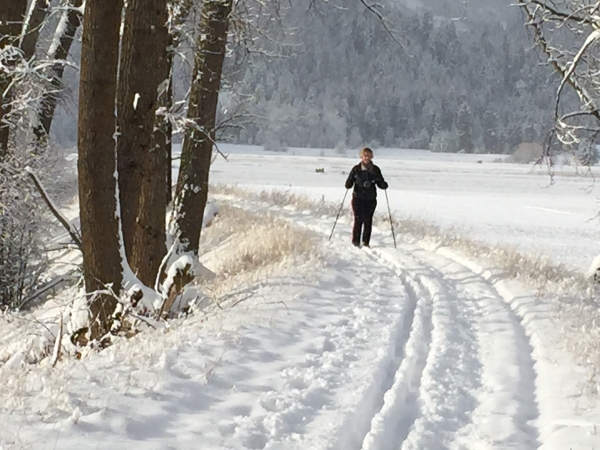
{"points": [[366, 158]]}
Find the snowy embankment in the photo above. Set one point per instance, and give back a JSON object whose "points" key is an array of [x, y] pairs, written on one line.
{"points": [[407, 348]]}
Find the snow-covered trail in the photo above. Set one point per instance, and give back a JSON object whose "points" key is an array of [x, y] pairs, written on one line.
{"points": [[382, 348], [461, 370]]}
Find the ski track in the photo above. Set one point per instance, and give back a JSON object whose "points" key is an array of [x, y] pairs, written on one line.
{"points": [[376, 317], [456, 369]]}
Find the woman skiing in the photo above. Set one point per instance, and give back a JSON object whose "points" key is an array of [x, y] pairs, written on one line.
{"points": [[364, 177]]}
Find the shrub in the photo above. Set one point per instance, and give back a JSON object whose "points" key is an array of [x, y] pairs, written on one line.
{"points": [[22, 259], [526, 152], [444, 142]]}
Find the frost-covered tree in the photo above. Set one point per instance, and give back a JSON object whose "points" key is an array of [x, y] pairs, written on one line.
{"points": [[12, 14], [36, 16], [64, 36], [567, 33], [444, 142], [464, 127], [22, 259], [490, 132], [419, 85]]}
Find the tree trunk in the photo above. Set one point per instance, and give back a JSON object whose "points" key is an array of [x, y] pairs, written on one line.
{"points": [[163, 130], [58, 52], [140, 155], [192, 183], [168, 139], [163, 127], [32, 33], [96, 163], [11, 22]]}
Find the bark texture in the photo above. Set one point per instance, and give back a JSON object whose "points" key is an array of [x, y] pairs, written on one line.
{"points": [[96, 163]]}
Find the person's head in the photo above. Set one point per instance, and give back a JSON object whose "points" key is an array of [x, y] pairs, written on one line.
{"points": [[366, 155]]}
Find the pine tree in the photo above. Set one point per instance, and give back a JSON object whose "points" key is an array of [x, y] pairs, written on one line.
{"points": [[464, 126], [490, 132]]}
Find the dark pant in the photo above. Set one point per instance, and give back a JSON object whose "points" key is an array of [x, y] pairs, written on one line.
{"points": [[363, 217]]}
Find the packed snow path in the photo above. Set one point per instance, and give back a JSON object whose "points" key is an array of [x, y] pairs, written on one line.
{"points": [[416, 351], [450, 363], [379, 349]]}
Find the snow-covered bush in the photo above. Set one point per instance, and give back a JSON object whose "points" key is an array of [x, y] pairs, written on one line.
{"points": [[21, 258], [444, 142], [526, 152], [28, 81], [420, 141]]}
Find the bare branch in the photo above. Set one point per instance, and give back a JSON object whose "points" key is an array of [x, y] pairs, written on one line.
{"points": [[593, 37], [53, 208], [373, 8], [58, 341], [555, 12]]}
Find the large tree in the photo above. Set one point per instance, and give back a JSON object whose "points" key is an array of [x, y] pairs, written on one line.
{"points": [[192, 183], [96, 163], [141, 156]]}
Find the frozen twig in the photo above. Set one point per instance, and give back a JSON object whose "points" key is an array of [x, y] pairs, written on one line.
{"points": [[73, 232]]}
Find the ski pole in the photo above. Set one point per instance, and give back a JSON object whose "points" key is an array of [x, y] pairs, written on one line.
{"points": [[390, 215], [338, 214]]}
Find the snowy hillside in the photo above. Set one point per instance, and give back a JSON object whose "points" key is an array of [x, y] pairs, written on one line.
{"points": [[308, 343]]}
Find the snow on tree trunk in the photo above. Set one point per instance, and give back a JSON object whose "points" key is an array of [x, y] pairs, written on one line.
{"points": [[96, 162], [192, 184], [31, 30]]}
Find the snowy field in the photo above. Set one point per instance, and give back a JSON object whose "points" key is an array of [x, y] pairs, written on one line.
{"points": [[497, 203], [334, 347]]}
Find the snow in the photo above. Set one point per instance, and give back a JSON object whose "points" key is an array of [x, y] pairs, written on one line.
{"points": [[418, 347], [496, 203]]}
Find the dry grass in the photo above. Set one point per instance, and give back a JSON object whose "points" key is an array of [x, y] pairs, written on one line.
{"points": [[278, 198], [243, 247]]}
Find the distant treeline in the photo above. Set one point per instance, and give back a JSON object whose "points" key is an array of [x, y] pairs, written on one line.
{"points": [[434, 83]]}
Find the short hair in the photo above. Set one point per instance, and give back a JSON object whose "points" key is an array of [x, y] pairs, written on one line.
{"points": [[366, 150]]}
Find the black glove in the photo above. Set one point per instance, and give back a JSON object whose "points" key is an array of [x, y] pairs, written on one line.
{"points": [[384, 185]]}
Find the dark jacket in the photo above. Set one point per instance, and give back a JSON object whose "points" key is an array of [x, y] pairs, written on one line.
{"points": [[364, 182]]}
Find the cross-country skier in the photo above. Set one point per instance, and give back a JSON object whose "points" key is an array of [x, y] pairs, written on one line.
{"points": [[364, 177]]}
